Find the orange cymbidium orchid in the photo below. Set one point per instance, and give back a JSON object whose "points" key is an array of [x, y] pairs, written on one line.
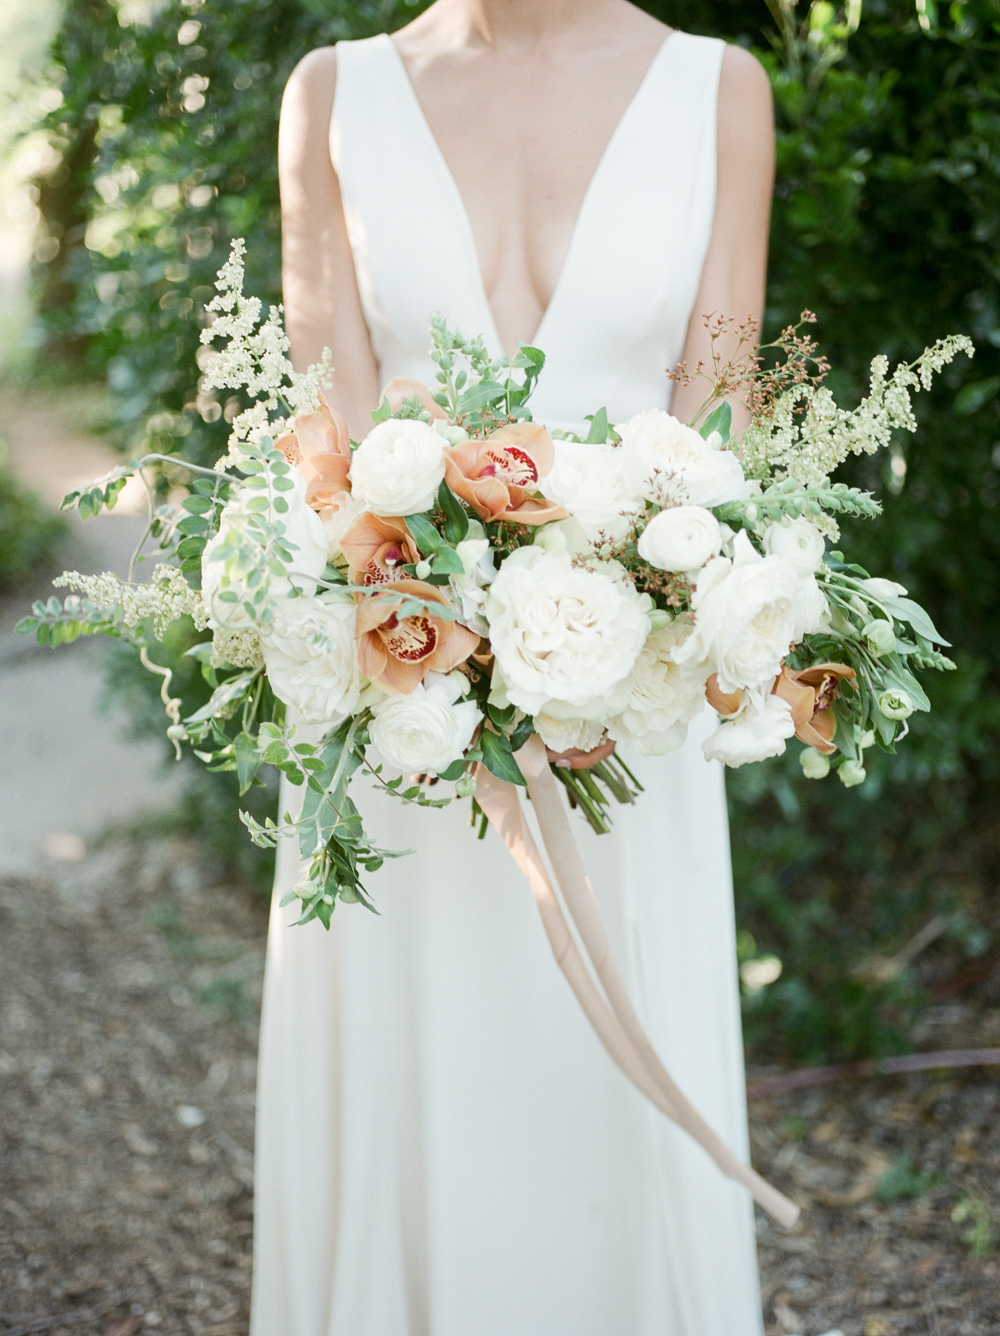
{"points": [[810, 693], [722, 702], [404, 387], [395, 652], [375, 548], [320, 448], [498, 475]]}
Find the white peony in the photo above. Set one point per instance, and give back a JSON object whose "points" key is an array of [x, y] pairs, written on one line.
{"points": [[398, 468], [592, 483], [666, 459], [662, 700], [563, 633], [565, 734], [310, 657], [304, 535], [745, 617], [757, 731], [681, 539], [798, 540], [426, 730]]}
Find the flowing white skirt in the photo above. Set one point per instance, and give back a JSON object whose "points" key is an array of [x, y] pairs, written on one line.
{"points": [[443, 1146]]}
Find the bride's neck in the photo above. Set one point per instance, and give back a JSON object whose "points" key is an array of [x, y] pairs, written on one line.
{"points": [[502, 23]]}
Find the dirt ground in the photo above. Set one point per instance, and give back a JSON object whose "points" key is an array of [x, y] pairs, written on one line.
{"points": [[130, 988]]}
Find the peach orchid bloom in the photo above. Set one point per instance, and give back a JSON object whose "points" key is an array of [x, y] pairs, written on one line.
{"points": [[810, 693], [722, 702], [403, 387], [376, 547], [496, 476], [320, 448], [396, 652]]}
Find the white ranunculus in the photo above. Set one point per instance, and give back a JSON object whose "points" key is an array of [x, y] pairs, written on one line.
{"points": [[759, 730], [303, 534], [798, 540], [591, 482], [668, 460], [564, 734], [398, 468], [310, 657], [662, 700], [745, 617], [563, 633], [426, 730], [680, 539]]}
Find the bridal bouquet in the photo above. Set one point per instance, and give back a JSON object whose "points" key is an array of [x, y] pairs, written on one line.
{"points": [[462, 579]]}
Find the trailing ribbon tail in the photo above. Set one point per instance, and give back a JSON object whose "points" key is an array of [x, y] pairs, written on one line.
{"points": [[614, 1020]]}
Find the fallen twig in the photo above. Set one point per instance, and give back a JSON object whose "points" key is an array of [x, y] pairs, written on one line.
{"points": [[845, 1071], [68, 1319]]}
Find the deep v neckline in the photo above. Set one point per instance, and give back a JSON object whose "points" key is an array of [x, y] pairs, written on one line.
{"points": [[489, 329]]}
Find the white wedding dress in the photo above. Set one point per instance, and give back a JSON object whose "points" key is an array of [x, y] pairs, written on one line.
{"points": [[443, 1146]]}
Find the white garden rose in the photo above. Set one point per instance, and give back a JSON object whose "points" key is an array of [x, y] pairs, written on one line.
{"points": [[745, 618], [662, 700], [426, 730], [591, 482], [668, 460], [798, 540], [303, 534], [680, 539], [310, 658], [812, 612], [565, 734], [398, 468], [757, 731], [563, 633], [337, 520]]}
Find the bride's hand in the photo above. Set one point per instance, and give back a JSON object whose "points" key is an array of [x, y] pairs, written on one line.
{"points": [[581, 760]]}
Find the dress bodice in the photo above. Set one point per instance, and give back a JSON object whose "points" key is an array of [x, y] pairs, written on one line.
{"points": [[619, 314]]}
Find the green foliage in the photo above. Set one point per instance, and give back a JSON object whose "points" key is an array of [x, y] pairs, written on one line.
{"points": [[886, 224], [902, 1182], [27, 531]]}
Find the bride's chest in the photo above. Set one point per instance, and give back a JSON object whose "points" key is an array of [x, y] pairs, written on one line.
{"points": [[522, 143]]}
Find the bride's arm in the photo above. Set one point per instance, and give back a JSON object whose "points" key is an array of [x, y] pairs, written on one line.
{"points": [[322, 305], [735, 272]]}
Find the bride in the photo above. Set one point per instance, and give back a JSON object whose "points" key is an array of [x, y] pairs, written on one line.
{"points": [[443, 1147]]}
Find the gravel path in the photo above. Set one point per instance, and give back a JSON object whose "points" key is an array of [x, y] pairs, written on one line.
{"points": [[131, 982]]}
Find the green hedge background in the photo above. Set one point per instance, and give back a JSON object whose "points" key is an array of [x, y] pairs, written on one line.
{"points": [[886, 224]]}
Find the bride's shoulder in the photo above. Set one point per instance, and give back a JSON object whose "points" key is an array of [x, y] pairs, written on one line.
{"points": [[313, 82], [743, 83]]}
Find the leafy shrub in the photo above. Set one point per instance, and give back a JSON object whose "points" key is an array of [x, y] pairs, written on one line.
{"points": [[28, 531], [886, 223]]}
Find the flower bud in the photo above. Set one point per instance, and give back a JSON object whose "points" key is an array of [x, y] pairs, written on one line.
{"points": [[814, 764], [423, 569], [465, 786], [895, 704], [880, 636], [177, 733], [851, 773]]}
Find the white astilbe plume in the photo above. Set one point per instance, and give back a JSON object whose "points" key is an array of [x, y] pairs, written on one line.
{"points": [[161, 600], [255, 359], [238, 649], [808, 445]]}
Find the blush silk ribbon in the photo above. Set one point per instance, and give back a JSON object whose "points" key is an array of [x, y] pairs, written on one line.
{"points": [[611, 1014]]}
